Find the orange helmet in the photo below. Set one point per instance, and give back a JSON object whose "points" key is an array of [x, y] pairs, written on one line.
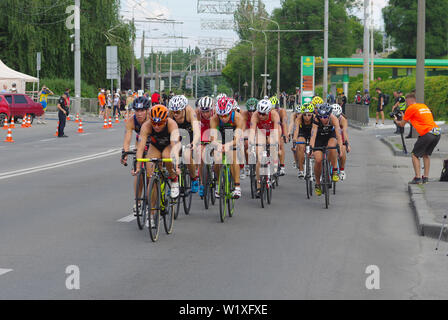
{"points": [[159, 113]]}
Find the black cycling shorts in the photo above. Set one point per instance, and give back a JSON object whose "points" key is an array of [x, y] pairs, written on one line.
{"points": [[322, 140], [425, 145]]}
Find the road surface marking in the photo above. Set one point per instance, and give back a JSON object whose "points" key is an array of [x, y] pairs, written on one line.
{"points": [[11, 174], [85, 134], [128, 218], [48, 139], [4, 271]]}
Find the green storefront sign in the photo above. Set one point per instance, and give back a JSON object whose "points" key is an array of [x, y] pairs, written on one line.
{"points": [[307, 78]]}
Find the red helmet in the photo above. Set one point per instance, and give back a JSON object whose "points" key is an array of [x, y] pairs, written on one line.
{"points": [[224, 106]]}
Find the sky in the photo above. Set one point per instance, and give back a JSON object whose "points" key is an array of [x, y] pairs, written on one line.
{"points": [[186, 11]]}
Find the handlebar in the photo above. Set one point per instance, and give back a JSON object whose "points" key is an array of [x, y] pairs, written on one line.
{"points": [[125, 153], [155, 160]]}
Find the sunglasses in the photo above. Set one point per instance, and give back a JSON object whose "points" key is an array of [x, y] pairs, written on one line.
{"points": [[157, 124], [177, 112], [324, 117], [307, 114]]}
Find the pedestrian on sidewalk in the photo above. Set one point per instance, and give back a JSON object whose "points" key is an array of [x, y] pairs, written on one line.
{"points": [[366, 98], [400, 103], [420, 116], [62, 114], [116, 105], [380, 107], [43, 99]]}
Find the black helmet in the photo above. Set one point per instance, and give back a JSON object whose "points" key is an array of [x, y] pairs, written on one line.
{"points": [[141, 103], [324, 110]]}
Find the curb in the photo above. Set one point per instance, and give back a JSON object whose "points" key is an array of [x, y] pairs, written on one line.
{"points": [[356, 126], [396, 152], [425, 221]]}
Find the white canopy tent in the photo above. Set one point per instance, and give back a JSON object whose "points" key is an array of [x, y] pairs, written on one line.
{"points": [[9, 76]]}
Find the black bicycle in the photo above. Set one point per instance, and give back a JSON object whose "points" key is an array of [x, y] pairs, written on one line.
{"points": [[140, 205], [267, 178], [252, 171], [308, 169], [326, 180], [184, 186], [208, 181]]}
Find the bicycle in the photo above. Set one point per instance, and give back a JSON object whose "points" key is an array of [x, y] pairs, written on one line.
{"points": [[326, 173], [226, 186], [208, 181], [309, 165], [142, 183], [267, 180], [163, 206], [184, 186], [253, 172]]}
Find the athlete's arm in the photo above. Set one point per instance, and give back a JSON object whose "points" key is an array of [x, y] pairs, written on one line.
{"points": [[127, 139], [253, 127], [313, 135], [277, 128], [337, 128], [193, 119], [298, 124], [173, 129]]}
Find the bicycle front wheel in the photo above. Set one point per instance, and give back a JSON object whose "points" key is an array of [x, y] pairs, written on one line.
{"points": [[222, 195], [205, 184], [140, 199], [253, 181], [231, 187], [154, 213], [262, 191], [168, 208], [327, 184], [187, 193], [212, 185]]}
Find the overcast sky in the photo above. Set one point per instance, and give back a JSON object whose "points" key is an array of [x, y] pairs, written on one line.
{"points": [[186, 11]]}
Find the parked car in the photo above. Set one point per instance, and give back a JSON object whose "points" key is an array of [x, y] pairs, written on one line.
{"points": [[5, 111], [21, 105]]}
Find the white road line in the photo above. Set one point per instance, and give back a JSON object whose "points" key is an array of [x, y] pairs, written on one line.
{"points": [[128, 218], [4, 271], [48, 139], [6, 175], [86, 134]]}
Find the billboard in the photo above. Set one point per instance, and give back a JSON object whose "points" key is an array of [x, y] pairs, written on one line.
{"points": [[307, 78]]}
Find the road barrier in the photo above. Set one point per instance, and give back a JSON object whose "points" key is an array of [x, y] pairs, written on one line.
{"points": [[357, 112]]}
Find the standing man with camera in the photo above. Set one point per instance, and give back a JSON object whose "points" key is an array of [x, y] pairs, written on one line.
{"points": [[62, 114], [420, 117], [399, 105]]}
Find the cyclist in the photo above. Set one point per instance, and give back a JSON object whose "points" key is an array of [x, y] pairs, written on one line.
{"points": [[316, 101], [292, 128], [141, 106], [229, 123], [343, 124], [163, 134], [185, 117], [302, 133], [264, 122], [251, 107], [204, 113], [284, 131], [325, 132]]}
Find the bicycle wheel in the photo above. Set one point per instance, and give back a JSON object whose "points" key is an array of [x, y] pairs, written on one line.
{"points": [[167, 204], [154, 195], [205, 184], [231, 187], [222, 195], [187, 193], [262, 190], [212, 185], [334, 187], [176, 204], [253, 181], [327, 184], [140, 201], [307, 176], [269, 191]]}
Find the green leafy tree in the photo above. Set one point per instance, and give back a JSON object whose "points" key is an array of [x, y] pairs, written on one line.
{"points": [[400, 19]]}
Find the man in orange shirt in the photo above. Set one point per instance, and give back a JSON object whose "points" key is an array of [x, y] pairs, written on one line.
{"points": [[420, 116]]}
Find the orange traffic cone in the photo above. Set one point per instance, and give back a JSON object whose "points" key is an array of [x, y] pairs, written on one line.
{"points": [[68, 118], [57, 130], [80, 129], [110, 122], [12, 126], [5, 124], [105, 126], [9, 136], [23, 122], [116, 119], [29, 122], [77, 117]]}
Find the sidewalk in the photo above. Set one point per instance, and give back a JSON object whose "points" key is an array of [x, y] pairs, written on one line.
{"points": [[429, 201]]}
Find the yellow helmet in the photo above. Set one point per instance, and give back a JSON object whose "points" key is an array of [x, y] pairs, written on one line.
{"points": [[317, 100], [274, 100]]}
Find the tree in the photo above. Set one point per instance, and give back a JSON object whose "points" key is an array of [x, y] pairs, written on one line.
{"points": [[400, 19], [27, 27]]}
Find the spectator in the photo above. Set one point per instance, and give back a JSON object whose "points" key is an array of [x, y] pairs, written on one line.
{"points": [[129, 101], [108, 104], [358, 98], [380, 107], [164, 98], [420, 116], [101, 102], [62, 114], [291, 101], [116, 105], [14, 88], [399, 102], [43, 99], [342, 101], [330, 98], [5, 89], [366, 98], [155, 98]]}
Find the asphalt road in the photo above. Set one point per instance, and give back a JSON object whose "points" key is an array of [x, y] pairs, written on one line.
{"points": [[68, 213]]}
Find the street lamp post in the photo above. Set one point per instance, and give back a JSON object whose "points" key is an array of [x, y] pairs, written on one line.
{"points": [[252, 85], [278, 54], [265, 58]]}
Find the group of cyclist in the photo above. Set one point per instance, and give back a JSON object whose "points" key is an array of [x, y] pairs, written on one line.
{"points": [[161, 131]]}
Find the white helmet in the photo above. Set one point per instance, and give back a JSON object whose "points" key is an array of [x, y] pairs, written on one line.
{"points": [[205, 104], [337, 110], [264, 106], [265, 97], [221, 95], [178, 103], [224, 106]]}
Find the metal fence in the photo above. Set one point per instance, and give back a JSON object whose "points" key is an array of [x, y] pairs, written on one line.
{"points": [[88, 105]]}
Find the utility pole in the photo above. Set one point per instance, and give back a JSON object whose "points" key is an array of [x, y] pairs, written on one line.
{"points": [[133, 54], [171, 67], [278, 54], [142, 62], [372, 44], [196, 82], [157, 72], [366, 83], [77, 56], [326, 51], [420, 76]]}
